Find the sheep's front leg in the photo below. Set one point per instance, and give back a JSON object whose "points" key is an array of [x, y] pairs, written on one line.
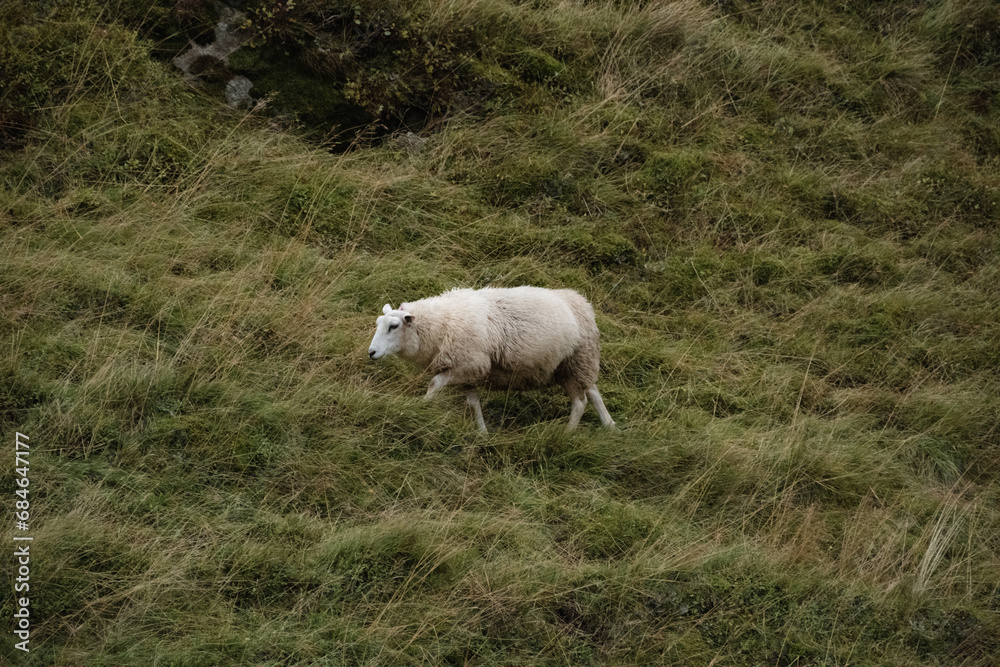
{"points": [[437, 383], [472, 398]]}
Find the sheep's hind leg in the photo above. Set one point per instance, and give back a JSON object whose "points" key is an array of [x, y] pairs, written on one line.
{"points": [[578, 401], [595, 398], [472, 398]]}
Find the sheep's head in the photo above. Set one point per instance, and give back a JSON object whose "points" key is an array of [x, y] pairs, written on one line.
{"points": [[393, 333]]}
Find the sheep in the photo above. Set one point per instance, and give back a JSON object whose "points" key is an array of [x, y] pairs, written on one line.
{"points": [[503, 338]]}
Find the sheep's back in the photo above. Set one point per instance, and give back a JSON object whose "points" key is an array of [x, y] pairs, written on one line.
{"points": [[531, 331]]}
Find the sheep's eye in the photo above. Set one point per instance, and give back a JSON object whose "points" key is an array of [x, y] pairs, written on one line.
{"points": [[392, 326]]}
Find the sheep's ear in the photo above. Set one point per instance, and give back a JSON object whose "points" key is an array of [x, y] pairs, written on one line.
{"points": [[386, 309], [408, 318]]}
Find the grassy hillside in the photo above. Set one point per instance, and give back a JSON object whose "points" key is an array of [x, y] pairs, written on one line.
{"points": [[785, 215]]}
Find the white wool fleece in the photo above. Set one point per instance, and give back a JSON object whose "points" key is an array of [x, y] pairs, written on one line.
{"points": [[507, 338]]}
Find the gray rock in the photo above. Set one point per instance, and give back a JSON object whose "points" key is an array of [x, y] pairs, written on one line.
{"points": [[411, 143], [238, 92], [198, 59]]}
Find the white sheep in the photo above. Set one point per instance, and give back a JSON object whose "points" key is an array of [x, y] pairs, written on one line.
{"points": [[503, 338]]}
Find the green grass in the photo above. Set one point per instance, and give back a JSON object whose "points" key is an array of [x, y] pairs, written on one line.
{"points": [[785, 217]]}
